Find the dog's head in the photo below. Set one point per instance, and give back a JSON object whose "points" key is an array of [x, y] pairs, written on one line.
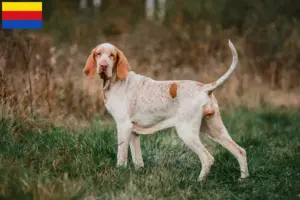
{"points": [[106, 60]]}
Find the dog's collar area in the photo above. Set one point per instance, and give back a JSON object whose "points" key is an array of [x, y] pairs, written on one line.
{"points": [[106, 83]]}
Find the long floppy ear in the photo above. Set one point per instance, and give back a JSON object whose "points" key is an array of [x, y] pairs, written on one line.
{"points": [[122, 66], [90, 65]]}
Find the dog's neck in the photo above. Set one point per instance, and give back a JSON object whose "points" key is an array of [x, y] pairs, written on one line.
{"points": [[107, 84]]}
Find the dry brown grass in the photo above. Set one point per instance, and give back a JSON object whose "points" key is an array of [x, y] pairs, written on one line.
{"points": [[39, 78]]}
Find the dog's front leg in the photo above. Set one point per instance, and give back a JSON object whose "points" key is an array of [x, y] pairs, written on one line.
{"points": [[124, 131]]}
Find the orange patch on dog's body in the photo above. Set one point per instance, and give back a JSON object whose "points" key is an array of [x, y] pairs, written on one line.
{"points": [[208, 109], [214, 83], [173, 90]]}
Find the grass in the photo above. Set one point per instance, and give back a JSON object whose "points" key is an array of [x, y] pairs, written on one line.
{"points": [[53, 163]]}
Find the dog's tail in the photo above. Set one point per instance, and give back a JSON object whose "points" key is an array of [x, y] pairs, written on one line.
{"points": [[212, 86]]}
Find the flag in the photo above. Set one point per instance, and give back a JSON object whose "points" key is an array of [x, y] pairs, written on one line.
{"points": [[22, 15]]}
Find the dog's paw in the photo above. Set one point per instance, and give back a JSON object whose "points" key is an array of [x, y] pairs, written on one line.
{"points": [[140, 165], [241, 179], [122, 165], [244, 175], [202, 179]]}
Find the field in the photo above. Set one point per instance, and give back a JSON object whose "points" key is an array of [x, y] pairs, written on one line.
{"points": [[41, 161]]}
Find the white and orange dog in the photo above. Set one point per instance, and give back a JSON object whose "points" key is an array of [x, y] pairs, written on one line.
{"points": [[141, 105]]}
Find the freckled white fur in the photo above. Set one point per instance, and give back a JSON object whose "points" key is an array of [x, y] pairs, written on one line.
{"points": [[141, 105]]}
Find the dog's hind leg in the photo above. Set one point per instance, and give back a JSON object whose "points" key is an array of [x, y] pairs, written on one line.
{"points": [[218, 132], [191, 138], [188, 127]]}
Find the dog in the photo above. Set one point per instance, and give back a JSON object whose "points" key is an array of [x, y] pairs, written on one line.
{"points": [[140, 105]]}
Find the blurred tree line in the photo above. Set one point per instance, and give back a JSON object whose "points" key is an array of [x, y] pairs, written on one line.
{"points": [[263, 22], [227, 13], [268, 25], [240, 14]]}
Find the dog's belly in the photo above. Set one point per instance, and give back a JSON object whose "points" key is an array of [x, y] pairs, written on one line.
{"points": [[147, 120], [149, 117]]}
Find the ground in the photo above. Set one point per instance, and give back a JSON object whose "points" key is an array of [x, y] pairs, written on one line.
{"points": [[54, 163]]}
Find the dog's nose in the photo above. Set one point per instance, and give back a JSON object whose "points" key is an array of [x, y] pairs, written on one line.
{"points": [[103, 66]]}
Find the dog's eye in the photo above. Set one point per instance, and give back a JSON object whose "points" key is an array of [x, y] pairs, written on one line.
{"points": [[111, 56], [98, 54]]}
